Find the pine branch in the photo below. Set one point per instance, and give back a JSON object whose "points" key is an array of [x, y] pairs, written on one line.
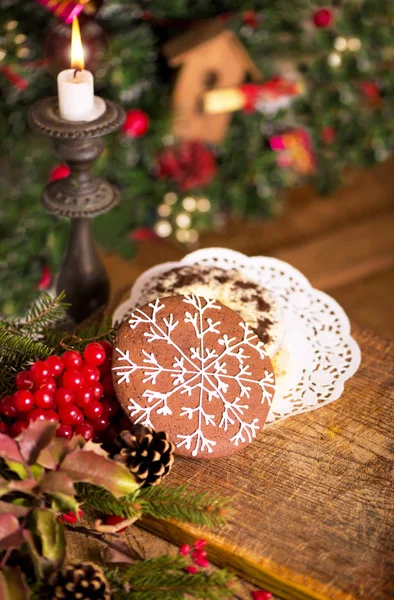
{"points": [[44, 312], [16, 353], [162, 502], [165, 578], [184, 504]]}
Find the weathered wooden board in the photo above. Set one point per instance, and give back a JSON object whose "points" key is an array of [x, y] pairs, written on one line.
{"points": [[313, 501]]}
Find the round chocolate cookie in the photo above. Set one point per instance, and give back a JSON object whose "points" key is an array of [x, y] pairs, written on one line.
{"points": [[192, 367], [256, 305]]}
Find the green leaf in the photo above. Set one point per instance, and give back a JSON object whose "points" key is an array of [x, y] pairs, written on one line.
{"points": [[92, 468], [33, 439], [13, 584], [18, 468], [62, 504], [51, 533]]}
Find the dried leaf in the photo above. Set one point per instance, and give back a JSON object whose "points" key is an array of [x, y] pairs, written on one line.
{"points": [[112, 555], [10, 532], [15, 509], [35, 438], [98, 470], [13, 584], [51, 456], [9, 449], [55, 482], [51, 534], [96, 448]]}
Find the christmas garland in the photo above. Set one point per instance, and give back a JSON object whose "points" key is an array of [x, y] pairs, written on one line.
{"points": [[179, 188], [50, 478]]}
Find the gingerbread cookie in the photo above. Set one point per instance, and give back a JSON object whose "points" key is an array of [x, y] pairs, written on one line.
{"points": [[193, 368], [256, 305]]}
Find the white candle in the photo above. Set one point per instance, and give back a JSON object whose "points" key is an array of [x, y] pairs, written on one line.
{"points": [[76, 85]]}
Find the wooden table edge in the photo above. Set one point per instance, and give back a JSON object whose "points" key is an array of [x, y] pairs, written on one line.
{"points": [[265, 573]]}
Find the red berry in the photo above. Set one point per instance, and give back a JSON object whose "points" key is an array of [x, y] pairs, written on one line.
{"points": [[72, 379], [90, 374], [200, 544], [7, 406], [110, 407], [44, 399], [51, 415], [64, 431], [80, 417], [49, 385], [71, 517], [192, 569], [84, 429], [24, 380], [83, 396], [56, 365], [72, 360], [106, 367], [93, 410], [107, 347], [114, 520], [17, 428], [39, 371], [23, 400], [69, 414], [100, 424], [64, 396], [108, 386], [136, 124], [322, 17], [201, 562], [97, 390], [184, 549], [199, 554], [39, 414], [59, 172], [94, 354], [261, 595], [3, 427]]}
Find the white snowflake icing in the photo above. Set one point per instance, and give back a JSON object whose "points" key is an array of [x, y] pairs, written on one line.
{"points": [[203, 369]]}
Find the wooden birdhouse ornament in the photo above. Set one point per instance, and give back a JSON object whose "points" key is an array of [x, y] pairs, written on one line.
{"points": [[209, 56]]}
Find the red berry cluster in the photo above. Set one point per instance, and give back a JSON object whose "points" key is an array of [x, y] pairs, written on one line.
{"points": [[74, 390], [198, 555]]}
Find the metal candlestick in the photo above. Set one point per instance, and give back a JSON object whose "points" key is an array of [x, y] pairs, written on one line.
{"points": [[81, 197]]}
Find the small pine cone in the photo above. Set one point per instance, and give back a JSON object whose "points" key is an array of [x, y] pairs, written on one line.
{"points": [[78, 581], [147, 453]]}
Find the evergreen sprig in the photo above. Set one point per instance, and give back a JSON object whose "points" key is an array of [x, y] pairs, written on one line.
{"points": [[165, 578], [182, 503], [24, 341]]}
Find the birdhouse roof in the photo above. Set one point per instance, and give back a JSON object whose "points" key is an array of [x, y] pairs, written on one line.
{"points": [[180, 49]]}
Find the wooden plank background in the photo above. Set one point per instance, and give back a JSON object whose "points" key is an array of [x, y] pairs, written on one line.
{"points": [[313, 501], [322, 496]]}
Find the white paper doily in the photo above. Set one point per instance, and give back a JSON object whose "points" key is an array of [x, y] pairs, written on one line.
{"points": [[318, 354]]}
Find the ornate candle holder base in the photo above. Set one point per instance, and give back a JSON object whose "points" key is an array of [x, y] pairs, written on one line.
{"points": [[81, 197]]}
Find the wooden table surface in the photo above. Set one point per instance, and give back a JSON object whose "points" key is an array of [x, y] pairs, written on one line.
{"points": [[344, 244]]}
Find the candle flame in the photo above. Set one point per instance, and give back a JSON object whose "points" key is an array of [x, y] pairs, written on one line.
{"points": [[77, 58]]}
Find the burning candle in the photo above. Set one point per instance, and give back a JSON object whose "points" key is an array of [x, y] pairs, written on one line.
{"points": [[76, 85]]}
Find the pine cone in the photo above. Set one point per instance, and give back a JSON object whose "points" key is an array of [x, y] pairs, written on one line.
{"points": [[78, 581], [147, 453]]}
